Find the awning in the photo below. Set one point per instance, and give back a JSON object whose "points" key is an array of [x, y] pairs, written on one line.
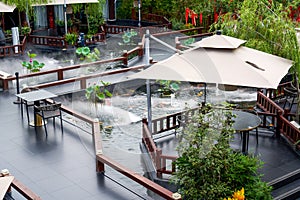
{"points": [[61, 2], [6, 8]]}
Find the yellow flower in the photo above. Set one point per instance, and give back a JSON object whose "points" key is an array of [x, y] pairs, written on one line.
{"points": [[239, 195]]}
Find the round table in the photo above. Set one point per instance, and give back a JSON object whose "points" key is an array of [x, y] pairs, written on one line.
{"points": [[244, 122]]}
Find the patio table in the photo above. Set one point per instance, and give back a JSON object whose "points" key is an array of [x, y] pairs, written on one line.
{"points": [[243, 123], [36, 96]]}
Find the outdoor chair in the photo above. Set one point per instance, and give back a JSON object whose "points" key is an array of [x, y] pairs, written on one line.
{"points": [[49, 111], [290, 97], [25, 103]]}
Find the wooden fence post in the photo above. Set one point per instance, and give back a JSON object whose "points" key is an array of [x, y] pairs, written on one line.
{"points": [[96, 130]]}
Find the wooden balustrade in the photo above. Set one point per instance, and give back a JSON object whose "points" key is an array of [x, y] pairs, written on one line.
{"points": [[291, 132], [48, 41], [278, 93], [98, 37], [116, 29], [266, 104], [12, 50], [60, 71]]}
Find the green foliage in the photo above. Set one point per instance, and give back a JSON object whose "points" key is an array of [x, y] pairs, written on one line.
{"points": [[177, 24], [168, 87], [94, 12], [60, 22], [8, 32], [25, 30], [32, 65], [86, 54], [265, 26], [189, 41], [124, 9], [71, 38], [96, 93], [208, 168], [94, 24], [128, 36]]}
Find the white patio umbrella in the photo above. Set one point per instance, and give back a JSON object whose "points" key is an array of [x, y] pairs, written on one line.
{"points": [[6, 8], [240, 66], [219, 59]]}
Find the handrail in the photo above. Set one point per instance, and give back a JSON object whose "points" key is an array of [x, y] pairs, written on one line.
{"points": [[13, 49], [291, 132], [83, 79], [22, 189], [158, 189], [60, 71], [48, 41], [101, 159]]}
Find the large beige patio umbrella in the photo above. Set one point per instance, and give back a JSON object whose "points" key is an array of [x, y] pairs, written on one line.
{"points": [[221, 60], [218, 59]]}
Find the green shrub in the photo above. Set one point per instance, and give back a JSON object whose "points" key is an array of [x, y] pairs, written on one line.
{"points": [[208, 168]]}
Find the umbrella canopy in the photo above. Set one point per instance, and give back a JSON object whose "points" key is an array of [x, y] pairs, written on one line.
{"points": [[220, 42], [6, 8], [239, 66], [61, 2]]}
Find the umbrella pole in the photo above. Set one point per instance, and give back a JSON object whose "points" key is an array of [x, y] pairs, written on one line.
{"points": [[65, 16], [147, 63], [205, 92]]}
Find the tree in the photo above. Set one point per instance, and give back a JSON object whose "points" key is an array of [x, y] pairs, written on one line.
{"points": [[207, 168], [267, 26]]}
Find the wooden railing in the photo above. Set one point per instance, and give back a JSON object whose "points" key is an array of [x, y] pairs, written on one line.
{"points": [[290, 132], [48, 41], [60, 42], [6, 51], [159, 160], [22, 189], [279, 92], [271, 110], [98, 37], [116, 29], [60, 71], [199, 35], [101, 159]]}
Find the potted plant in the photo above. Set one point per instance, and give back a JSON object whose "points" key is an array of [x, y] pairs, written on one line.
{"points": [[25, 30], [32, 65], [71, 38]]}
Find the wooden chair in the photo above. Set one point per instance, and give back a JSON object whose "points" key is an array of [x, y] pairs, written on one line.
{"points": [[49, 111]]}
